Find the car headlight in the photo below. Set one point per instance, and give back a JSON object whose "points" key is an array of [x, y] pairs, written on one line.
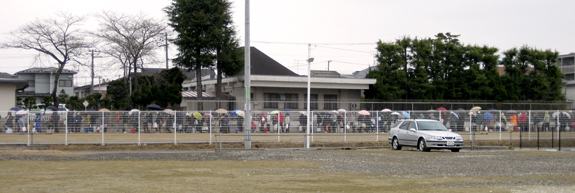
{"points": [[432, 137], [458, 138]]}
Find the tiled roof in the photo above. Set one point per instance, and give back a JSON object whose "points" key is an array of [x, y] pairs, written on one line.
{"points": [[44, 70], [262, 64], [6, 75]]}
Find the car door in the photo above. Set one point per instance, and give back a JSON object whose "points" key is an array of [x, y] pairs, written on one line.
{"points": [[401, 134], [411, 136]]}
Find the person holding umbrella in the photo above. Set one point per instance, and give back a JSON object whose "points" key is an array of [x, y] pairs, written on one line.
{"points": [[8, 125]]}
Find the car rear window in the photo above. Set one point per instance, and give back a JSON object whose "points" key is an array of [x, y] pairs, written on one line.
{"points": [[430, 126]]}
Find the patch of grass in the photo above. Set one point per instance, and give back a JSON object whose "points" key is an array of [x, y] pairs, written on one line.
{"points": [[232, 176]]}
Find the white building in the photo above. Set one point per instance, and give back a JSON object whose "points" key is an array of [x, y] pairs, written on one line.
{"points": [[274, 86]]}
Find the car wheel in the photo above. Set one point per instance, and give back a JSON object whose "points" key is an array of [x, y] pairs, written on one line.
{"points": [[454, 150], [395, 144], [421, 146]]}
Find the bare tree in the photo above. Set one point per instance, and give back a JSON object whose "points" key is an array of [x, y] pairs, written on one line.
{"points": [[129, 38], [59, 38]]}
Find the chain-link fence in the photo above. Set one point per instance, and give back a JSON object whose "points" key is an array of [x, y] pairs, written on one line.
{"points": [[543, 129]]}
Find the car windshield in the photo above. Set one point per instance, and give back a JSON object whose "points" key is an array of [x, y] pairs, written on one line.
{"points": [[430, 126]]}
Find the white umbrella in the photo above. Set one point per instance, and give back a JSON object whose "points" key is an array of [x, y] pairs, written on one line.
{"points": [[555, 114], [341, 110], [22, 112], [567, 115], [395, 113], [386, 110], [169, 111], [334, 112], [133, 110]]}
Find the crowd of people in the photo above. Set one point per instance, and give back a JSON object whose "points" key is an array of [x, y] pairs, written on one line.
{"points": [[277, 122]]}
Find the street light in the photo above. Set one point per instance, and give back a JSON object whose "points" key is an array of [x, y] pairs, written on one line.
{"points": [[309, 60]]}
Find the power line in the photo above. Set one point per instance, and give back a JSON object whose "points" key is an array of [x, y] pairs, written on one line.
{"points": [[345, 49], [300, 43]]}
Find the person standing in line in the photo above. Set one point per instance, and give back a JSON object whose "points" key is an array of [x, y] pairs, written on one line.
{"points": [[263, 123], [287, 120], [8, 126]]}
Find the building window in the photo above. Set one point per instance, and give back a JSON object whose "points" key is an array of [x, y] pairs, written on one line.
{"points": [[312, 101], [31, 83], [291, 101], [270, 100], [330, 102], [65, 83]]}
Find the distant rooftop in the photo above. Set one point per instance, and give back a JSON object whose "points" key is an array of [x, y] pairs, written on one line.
{"points": [[44, 70]]}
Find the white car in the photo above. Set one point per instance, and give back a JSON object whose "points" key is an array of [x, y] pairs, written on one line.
{"points": [[424, 134]]}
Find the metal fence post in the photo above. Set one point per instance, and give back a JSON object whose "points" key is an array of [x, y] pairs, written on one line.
{"points": [[102, 127], [377, 125], [175, 126], [28, 130], [345, 127], [66, 123], [210, 126], [559, 138], [139, 135]]}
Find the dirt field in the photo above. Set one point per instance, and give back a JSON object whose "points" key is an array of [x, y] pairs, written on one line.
{"points": [[288, 171]]}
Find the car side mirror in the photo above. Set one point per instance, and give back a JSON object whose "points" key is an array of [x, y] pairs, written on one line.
{"points": [[412, 129]]}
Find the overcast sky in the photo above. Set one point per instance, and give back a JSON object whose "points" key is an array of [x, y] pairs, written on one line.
{"points": [[344, 32]]}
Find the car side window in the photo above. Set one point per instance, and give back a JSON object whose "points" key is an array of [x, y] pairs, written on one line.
{"points": [[405, 125], [412, 125]]}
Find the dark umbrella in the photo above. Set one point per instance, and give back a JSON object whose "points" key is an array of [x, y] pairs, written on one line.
{"points": [[460, 110], [488, 116], [511, 112], [154, 107], [15, 108], [52, 108]]}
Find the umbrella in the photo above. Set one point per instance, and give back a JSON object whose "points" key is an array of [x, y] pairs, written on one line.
{"points": [[154, 107], [567, 115], [287, 110], [104, 109], [476, 108], [274, 112], [455, 114], [22, 112], [431, 110], [511, 112], [488, 116], [460, 110], [207, 115], [52, 108], [133, 111], [15, 108], [555, 114], [197, 115], [341, 110], [364, 112], [235, 112], [221, 111], [441, 109], [169, 111], [303, 112], [395, 113], [334, 112], [386, 111], [48, 112], [241, 113], [405, 114]]}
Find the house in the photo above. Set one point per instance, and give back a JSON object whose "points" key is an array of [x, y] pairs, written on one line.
{"points": [[41, 82], [273, 86], [83, 91], [9, 87]]}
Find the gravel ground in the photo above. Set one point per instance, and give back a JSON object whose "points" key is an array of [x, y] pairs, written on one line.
{"points": [[404, 164]]}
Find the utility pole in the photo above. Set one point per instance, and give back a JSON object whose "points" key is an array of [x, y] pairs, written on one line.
{"points": [[92, 85], [166, 46]]}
